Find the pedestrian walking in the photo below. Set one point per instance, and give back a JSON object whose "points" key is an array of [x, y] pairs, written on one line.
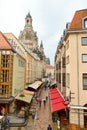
{"points": [[46, 97], [49, 127], [40, 102], [44, 101], [45, 87]]}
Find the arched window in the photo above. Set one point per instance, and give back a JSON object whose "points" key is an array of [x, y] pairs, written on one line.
{"points": [[27, 21]]}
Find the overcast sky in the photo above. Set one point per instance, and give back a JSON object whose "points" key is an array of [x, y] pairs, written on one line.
{"points": [[49, 19]]}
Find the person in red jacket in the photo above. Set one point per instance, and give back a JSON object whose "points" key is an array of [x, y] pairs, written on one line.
{"points": [[40, 101]]}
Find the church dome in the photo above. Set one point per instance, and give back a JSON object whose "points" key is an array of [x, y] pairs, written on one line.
{"points": [[28, 34]]}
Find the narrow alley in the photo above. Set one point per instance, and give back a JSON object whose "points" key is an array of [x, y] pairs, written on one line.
{"points": [[43, 116]]}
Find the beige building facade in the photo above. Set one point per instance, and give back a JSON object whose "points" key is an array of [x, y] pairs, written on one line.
{"points": [[34, 66], [71, 67], [30, 39]]}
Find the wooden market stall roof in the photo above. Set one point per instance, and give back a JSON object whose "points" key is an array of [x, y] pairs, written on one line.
{"points": [[35, 85]]}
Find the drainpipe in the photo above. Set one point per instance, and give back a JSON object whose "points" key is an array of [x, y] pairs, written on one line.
{"points": [[78, 78]]}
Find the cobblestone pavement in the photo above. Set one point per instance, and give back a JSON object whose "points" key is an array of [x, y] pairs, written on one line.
{"points": [[43, 115]]}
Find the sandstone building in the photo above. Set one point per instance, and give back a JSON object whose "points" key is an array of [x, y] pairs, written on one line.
{"points": [[71, 67]]}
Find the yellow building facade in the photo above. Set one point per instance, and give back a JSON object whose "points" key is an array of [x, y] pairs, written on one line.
{"points": [[34, 66], [19, 68]]}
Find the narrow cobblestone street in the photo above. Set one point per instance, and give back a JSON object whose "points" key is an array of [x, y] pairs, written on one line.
{"points": [[43, 114], [42, 118]]}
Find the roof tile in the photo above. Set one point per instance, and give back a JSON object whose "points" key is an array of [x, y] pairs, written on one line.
{"points": [[49, 66], [76, 23], [4, 44]]}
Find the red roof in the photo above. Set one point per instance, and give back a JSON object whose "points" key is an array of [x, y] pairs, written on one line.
{"points": [[76, 23], [4, 44], [49, 66], [56, 100]]}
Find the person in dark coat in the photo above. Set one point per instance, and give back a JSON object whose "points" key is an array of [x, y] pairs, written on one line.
{"points": [[49, 127], [44, 101]]}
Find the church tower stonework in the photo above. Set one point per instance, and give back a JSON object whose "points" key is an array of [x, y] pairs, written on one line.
{"points": [[28, 36], [28, 21]]}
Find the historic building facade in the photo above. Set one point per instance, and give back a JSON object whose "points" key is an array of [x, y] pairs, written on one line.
{"points": [[71, 67], [12, 73], [22, 62], [34, 67], [29, 38]]}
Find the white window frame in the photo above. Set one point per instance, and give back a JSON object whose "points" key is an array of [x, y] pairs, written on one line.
{"points": [[84, 43], [84, 22], [84, 57]]}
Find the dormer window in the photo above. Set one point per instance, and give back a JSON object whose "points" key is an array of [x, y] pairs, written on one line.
{"points": [[84, 22]]}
